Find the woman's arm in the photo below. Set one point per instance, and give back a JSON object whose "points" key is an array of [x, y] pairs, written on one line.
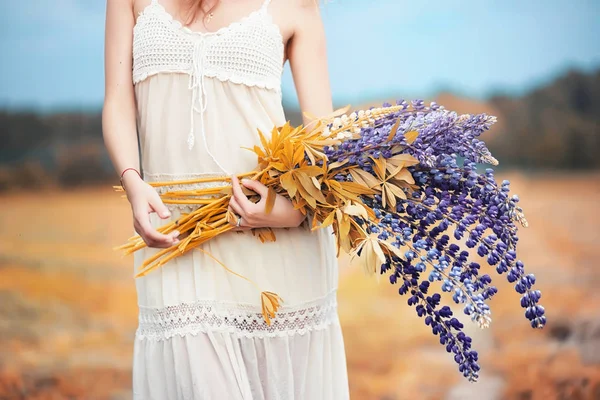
{"points": [[308, 61], [307, 52], [118, 114], [119, 121]]}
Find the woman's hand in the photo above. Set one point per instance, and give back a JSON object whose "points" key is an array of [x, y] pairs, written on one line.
{"points": [[145, 200], [283, 214]]}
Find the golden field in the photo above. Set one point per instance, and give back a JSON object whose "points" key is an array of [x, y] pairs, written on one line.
{"points": [[68, 307]]}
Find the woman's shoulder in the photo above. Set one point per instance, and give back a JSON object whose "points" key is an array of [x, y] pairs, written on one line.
{"points": [[296, 10], [293, 16]]}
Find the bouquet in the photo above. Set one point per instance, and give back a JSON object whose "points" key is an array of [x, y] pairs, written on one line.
{"points": [[401, 189]]}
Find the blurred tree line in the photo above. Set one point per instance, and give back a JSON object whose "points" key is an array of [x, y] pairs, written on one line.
{"points": [[557, 126], [63, 150], [554, 127]]}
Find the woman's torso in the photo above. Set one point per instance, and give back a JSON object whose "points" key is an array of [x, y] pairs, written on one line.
{"points": [[202, 96]]}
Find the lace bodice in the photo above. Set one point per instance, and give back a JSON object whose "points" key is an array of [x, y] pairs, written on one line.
{"points": [[248, 52]]}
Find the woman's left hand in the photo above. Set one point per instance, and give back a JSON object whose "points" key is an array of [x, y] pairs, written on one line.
{"points": [[283, 214]]}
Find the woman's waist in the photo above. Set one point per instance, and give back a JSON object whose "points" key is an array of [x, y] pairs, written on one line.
{"points": [[173, 162]]}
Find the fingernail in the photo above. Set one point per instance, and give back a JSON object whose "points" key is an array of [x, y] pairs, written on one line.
{"points": [[245, 180], [175, 233]]}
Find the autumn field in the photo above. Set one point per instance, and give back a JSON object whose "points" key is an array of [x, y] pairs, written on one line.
{"points": [[68, 307]]}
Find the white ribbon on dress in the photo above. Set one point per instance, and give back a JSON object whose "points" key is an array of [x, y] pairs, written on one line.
{"points": [[198, 89]]}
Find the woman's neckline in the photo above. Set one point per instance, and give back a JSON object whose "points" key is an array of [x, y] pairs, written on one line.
{"points": [[185, 29]]}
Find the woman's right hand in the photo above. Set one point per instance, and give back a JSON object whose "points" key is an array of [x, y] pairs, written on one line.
{"points": [[145, 200]]}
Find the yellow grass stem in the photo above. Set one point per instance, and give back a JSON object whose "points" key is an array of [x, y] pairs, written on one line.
{"points": [[229, 270], [192, 201], [183, 245], [223, 178], [190, 243], [259, 173]]}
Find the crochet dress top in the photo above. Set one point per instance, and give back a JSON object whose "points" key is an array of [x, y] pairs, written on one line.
{"points": [[248, 52]]}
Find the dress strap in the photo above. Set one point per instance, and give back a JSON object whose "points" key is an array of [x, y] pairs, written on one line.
{"points": [[265, 5]]}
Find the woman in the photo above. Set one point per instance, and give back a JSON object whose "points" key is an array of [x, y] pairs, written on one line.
{"points": [[206, 76]]}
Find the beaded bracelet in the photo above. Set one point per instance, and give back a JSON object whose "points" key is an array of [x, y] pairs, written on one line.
{"points": [[123, 173]]}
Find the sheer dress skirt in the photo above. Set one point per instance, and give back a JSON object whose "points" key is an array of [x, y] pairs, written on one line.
{"points": [[201, 333]]}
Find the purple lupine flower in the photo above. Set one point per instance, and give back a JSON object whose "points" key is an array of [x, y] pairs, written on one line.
{"points": [[452, 200]]}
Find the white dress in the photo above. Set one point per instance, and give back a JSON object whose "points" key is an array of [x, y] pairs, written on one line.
{"points": [[200, 98]]}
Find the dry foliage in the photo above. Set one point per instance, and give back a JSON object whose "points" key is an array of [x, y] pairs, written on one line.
{"points": [[292, 163]]}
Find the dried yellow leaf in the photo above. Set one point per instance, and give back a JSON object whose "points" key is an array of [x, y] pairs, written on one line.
{"points": [[263, 140], [399, 193], [270, 304], [355, 209], [270, 201], [388, 195], [368, 179], [316, 182], [379, 166], [337, 164], [312, 202], [371, 255], [411, 136], [308, 185], [328, 220], [404, 175], [405, 160], [394, 130], [287, 182]]}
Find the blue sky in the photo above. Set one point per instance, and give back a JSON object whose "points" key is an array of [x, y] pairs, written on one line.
{"points": [[52, 50]]}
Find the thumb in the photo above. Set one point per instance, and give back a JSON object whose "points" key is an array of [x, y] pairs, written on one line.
{"points": [[159, 207], [255, 185]]}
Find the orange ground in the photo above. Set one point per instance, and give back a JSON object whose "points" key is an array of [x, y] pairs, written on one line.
{"points": [[68, 309]]}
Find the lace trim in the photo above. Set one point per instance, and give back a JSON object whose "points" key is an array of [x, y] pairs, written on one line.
{"points": [[243, 320], [164, 177], [223, 76]]}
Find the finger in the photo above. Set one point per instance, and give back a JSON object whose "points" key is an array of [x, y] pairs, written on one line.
{"points": [[248, 213], [149, 242], [238, 194], [174, 236], [136, 226], [236, 216], [243, 226], [159, 207], [256, 186], [158, 244], [235, 207], [148, 232]]}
